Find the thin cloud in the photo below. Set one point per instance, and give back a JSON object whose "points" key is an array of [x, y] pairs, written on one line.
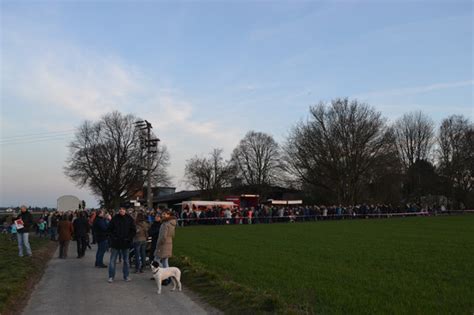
{"points": [[85, 86], [415, 90], [73, 81]]}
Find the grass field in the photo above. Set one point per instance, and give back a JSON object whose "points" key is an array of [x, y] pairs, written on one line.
{"points": [[401, 266], [18, 274]]}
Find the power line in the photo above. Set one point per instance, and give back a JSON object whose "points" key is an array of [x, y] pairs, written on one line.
{"points": [[24, 141], [38, 134]]}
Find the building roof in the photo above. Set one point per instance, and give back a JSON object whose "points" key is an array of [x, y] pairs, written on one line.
{"points": [[178, 197]]}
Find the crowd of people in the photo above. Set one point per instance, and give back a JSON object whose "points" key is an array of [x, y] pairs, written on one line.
{"points": [[138, 231], [274, 214], [130, 235]]}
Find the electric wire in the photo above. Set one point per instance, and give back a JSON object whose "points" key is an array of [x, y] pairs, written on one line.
{"points": [[38, 134], [34, 141], [37, 137]]}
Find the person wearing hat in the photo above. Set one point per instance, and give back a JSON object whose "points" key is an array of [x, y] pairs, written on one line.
{"points": [[23, 223]]}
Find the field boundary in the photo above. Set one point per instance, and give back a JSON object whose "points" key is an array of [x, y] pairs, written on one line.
{"points": [[229, 296], [318, 217]]}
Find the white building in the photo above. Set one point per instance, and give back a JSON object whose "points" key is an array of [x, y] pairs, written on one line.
{"points": [[68, 202]]}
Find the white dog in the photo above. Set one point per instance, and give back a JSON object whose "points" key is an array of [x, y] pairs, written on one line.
{"points": [[161, 274]]}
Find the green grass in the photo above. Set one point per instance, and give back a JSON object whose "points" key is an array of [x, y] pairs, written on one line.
{"points": [[398, 266], [17, 273]]}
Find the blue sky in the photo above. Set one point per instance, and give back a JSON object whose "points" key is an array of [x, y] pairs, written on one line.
{"points": [[204, 73]]}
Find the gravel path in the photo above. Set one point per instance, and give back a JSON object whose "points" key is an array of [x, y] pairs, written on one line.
{"points": [[75, 286]]}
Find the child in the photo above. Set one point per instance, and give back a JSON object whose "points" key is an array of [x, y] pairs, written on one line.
{"points": [[13, 232], [42, 228]]}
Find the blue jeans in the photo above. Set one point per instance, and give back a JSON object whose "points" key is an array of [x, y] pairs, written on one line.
{"points": [[140, 255], [99, 256], [113, 261], [164, 262], [23, 241], [53, 231]]}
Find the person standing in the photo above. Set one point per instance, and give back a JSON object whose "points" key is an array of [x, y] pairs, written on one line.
{"points": [[99, 229], [23, 223], [54, 226], [153, 232], [139, 242], [92, 217], [42, 228], [164, 248], [122, 231], [65, 231], [81, 228]]}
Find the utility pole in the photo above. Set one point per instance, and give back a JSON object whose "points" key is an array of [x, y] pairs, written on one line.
{"points": [[151, 146]]}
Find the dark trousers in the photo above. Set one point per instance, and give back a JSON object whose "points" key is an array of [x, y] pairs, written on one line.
{"points": [[53, 232], [81, 245], [63, 247], [152, 250], [140, 255], [101, 249]]}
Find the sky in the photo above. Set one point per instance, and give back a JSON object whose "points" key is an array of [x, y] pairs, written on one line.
{"points": [[204, 73]]}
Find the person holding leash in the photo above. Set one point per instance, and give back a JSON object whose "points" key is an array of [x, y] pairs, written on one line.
{"points": [[164, 249]]}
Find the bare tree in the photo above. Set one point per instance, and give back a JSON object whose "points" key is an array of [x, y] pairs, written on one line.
{"points": [[211, 173], [106, 157], [456, 154], [339, 148], [159, 168], [257, 159], [414, 137]]}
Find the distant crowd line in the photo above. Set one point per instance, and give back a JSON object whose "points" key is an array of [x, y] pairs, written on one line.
{"points": [[46, 225], [276, 214]]}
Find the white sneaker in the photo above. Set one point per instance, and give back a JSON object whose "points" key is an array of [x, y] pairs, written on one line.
{"points": [[127, 279], [110, 280]]}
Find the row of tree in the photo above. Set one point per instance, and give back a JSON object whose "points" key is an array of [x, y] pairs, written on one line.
{"points": [[345, 152]]}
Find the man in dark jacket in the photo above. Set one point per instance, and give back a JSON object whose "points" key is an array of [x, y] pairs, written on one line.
{"points": [[81, 230], [23, 222], [99, 228], [121, 230]]}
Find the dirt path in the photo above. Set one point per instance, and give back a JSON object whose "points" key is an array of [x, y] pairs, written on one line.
{"points": [[75, 286]]}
